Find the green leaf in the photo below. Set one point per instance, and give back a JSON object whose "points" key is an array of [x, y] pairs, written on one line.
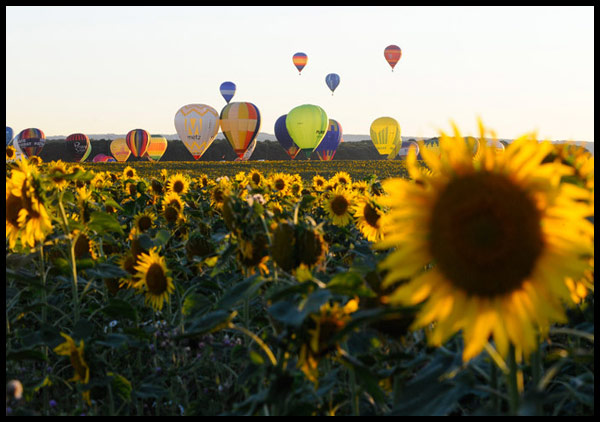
{"points": [[146, 391], [208, 323], [105, 270], [26, 354], [161, 237], [118, 308], [256, 358], [102, 222], [121, 385], [288, 313], [351, 284], [240, 291]]}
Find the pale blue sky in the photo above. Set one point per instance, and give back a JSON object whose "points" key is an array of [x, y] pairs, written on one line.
{"points": [[113, 69]]}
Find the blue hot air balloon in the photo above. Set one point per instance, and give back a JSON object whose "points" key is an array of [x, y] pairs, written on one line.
{"points": [[9, 135], [227, 90], [284, 138], [332, 80], [328, 146]]}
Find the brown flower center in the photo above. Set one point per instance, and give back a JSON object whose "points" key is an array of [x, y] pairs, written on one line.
{"points": [[485, 234], [156, 280], [371, 215], [144, 223], [279, 184], [339, 205], [178, 186], [13, 206], [256, 178]]}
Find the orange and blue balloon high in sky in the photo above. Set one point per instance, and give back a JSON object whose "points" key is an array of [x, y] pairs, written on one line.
{"points": [[392, 54], [300, 60]]}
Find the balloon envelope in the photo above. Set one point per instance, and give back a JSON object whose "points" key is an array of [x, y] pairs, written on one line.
{"points": [[227, 90], [332, 80], [392, 54], [405, 148], [78, 147], [137, 141], [300, 60], [307, 125], [31, 141], [157, 147], [328, 146], [120, 150], [9, 135], [248, 152], [240, 123], [385, 134], [197, 126], [283, 137]]}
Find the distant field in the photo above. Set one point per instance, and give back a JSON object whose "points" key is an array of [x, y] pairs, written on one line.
{"points": [[359, 169]]}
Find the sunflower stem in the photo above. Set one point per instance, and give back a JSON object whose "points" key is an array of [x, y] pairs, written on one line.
{"points": [[536, 374], [513, 391], [258, 341], [72, 253]]}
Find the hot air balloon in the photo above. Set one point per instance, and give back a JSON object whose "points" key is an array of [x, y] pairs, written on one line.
{"points": [[227, 90], [9, 135], [498, 146], [332, 80], [283, 137], [307, 125], [31, 141], [240, 123], [405, 148], [102, 158], [385, 134], [197, 126], [328, 146], [15, 144], [432, 145], [137, 141], [120, 150], [157, 147], [300, 60], [78, 147], [392, 54], [248, 152]]}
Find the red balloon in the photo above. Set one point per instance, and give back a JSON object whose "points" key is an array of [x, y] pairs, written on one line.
{"points": [[392, 54]]}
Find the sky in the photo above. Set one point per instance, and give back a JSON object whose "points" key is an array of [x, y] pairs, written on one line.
{"points": [[113, 69]]}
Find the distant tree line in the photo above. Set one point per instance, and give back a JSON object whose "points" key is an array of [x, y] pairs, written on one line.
{"points": [[220, 150]]}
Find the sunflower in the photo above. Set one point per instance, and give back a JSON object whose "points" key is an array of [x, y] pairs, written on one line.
{"points": [[241, 179], [129, 173], [153, 278], [368, 218], [11, 153], [172, 207], [338, 206], [83, 246], [26, 217], [580, 288], [35, 160], [341, 178], [279, 183], [219, 192], [143, 221], [499, 234], [329, 321], [256, 178], [178, 184], [319, 183], [76, 356], [360, 187]]}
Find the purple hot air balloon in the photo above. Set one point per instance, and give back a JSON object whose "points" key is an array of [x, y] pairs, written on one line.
{"points": [[284, 138], [328, 146]]}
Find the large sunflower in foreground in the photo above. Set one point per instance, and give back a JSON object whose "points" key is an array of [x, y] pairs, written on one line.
{"points": [[153, 278], [498, 235]]}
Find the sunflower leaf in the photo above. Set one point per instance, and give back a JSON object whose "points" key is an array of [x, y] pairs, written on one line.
{"points": [[102, 222]]}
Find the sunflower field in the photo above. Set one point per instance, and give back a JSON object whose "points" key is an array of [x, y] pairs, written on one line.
{"points": [[456, 285]]}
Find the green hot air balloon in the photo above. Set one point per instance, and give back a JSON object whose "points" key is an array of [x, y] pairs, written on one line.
{"points": [[307, 125]]}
